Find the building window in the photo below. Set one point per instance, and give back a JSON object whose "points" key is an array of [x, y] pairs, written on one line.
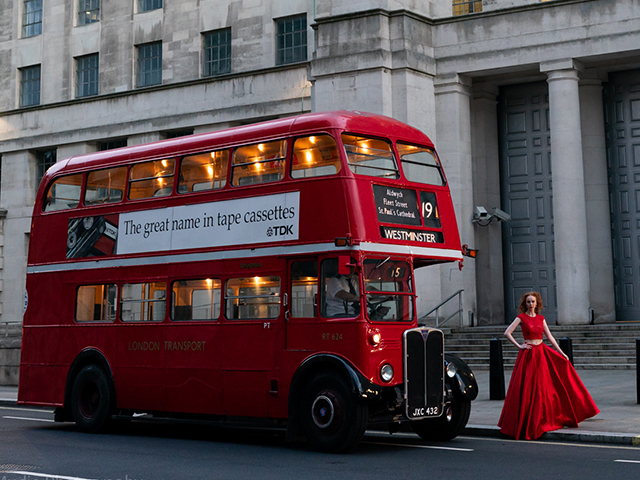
{"points": [[111, 144], [87, 76], [463, 7], [31, 18], [149, 64], [44, 160], [291, 39], [30, 86], [147, 5], [88, 11], [216, 52]]}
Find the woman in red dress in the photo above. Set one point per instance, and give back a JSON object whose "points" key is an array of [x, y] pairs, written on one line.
{"points": [[545, 392]]}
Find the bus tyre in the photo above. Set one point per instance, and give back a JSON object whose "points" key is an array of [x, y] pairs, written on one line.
{"points": [[331, 416], [91, 399], [447, 426]]}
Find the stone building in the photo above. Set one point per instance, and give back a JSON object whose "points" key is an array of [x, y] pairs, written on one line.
{"points": [[505, 88]]}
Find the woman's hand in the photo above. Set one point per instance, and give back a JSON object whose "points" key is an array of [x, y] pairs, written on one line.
{"points": [[525, 346]]}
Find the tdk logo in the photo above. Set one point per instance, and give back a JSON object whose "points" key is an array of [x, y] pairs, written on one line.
{"points": [[280, 231]]}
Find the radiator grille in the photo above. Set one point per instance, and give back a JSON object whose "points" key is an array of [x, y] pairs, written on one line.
{"points": [[423, 372]]}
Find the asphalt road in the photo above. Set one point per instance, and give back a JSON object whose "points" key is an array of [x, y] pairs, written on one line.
{"points": [[32, 447]]}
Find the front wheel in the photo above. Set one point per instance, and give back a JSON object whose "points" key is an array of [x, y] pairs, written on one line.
{"points": [[331, 416], [91, 399], [447, 426]]}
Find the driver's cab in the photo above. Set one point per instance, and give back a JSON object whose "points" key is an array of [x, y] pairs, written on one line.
{"points": [[387, 283]]}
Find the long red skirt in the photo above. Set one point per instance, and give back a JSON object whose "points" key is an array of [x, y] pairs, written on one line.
{"points": [[545, 394]]}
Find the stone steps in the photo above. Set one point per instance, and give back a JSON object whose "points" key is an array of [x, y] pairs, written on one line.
{"points": [[611, 346]]}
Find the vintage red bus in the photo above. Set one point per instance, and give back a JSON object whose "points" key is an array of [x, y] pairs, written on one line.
{"points": [[264, 272]]}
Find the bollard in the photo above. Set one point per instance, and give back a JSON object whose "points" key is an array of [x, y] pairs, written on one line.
{"points": [[638, 370], [566, 345], [496, 370]]}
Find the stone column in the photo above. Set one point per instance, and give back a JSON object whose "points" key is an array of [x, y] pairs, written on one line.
{"points": [[486, 175], [569, 205], [597, 201], [453, 111]]}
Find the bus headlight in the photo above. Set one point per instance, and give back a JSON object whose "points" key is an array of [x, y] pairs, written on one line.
{"points": [[451, 370], [375, 338], [386, 372]]}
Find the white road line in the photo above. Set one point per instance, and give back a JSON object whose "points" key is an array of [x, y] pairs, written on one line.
{"points": [[431, 447], [627, 461], [47, 475], [540, 442], [26, 409], [28, 418]]}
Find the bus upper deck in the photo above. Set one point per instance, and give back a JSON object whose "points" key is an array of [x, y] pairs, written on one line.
{"points": [[308, 182]]}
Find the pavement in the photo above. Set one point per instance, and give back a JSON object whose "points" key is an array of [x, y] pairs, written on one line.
{"points": [[614, 392]]}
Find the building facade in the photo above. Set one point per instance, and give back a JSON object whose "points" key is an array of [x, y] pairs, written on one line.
{"points": [[507, 89]]}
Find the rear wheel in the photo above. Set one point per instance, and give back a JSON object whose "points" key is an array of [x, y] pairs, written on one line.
{"points": [[447, 426], [91, 399], [332, 418]]}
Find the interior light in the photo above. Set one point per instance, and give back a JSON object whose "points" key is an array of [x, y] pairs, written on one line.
{"points": [[209, 282], [312, 139], [210, 170], [165, 163], [261, 147], [309, 156]]}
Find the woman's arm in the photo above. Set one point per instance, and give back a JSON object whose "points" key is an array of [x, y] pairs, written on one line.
{"points": [[547, 332], [508, 333]]}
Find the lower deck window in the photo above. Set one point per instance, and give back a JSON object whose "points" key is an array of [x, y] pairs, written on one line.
{"points": [[143, 302], [253, 298], [95, 303], [196, 299]]}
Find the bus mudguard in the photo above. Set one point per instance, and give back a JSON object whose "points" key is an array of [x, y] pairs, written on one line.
{"points": [[463, 383]]}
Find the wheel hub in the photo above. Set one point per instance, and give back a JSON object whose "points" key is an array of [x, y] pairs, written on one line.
{"points": [[322, 411]]}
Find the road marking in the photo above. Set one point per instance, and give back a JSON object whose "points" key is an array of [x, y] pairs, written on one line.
{"points": [[47, 475], [627, 461], [28, 418], [540, 442], [432, 447]]}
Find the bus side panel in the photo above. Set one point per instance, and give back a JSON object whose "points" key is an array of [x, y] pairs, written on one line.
{"points": [[43, 381], [193, 368]]}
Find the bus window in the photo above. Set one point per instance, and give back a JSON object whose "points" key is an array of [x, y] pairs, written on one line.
{"points": [[143, 302], [105, 186], [151, 179], [64, 193], [205, 171], [315, 156], [304, 289], [253, 298], [259, 163], [420, 164], [196, 299], [95, 303], [388, 288], [339, 291], [370, 156]]}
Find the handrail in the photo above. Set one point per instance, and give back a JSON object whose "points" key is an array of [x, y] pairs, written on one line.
{"points": [[6, 326], [441, 304]]}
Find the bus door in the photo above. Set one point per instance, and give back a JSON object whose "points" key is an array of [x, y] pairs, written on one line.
{"points": [[192, 347], [140, 381], [252, 336], [301, 310]]}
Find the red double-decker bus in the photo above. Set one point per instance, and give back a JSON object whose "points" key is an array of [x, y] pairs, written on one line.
{"points": [[264, 272]]}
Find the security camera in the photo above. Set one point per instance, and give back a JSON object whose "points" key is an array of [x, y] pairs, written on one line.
{"points": [[500, 215], [480, 213]]}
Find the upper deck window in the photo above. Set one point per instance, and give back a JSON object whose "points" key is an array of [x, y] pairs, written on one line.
{"points": [[315, 156], [205, 171], [420, 164], [259, 163], [370, 156], [64, 193], [105, 186], [151, 179]]}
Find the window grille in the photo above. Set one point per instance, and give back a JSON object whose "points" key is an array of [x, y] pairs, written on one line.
{"points": [[291, 39], [87, 76], [149, 64], [31, 18], [216, 52], [30, 86]]}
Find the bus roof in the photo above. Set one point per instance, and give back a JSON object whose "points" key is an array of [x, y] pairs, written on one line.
{"points": [[351, 121]]}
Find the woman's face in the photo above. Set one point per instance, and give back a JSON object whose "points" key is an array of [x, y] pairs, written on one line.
{"points": [[531, 303]]}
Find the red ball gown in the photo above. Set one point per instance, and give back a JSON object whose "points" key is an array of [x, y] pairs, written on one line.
{"points": [[545, 392]]}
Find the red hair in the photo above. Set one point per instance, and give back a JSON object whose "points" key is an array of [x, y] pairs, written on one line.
{"points": [[522, 308]]}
